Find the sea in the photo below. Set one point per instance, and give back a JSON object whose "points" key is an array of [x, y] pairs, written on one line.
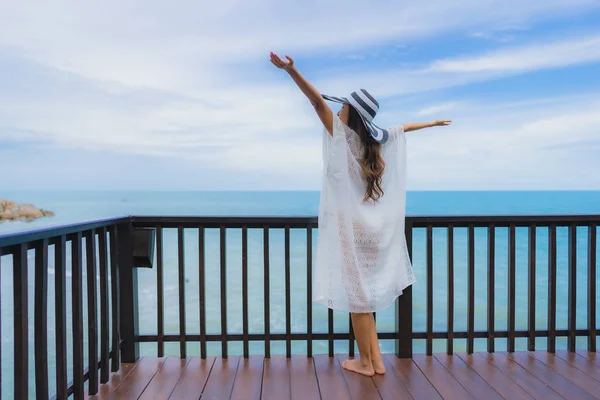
{"points": [[79, 206]]}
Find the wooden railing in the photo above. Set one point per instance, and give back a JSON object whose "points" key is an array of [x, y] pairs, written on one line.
{"points": [[106, 252], [107, 248]]}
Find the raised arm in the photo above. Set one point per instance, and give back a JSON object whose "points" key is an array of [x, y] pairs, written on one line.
{"points": [[420, 125], [322, 109]]}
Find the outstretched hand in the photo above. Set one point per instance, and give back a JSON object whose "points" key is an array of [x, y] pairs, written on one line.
{"points": [[442, 123], [279, 63]]}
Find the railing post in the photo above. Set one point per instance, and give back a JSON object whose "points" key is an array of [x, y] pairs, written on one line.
{"points": [[21, 321], [128, 294], [404, 324]]}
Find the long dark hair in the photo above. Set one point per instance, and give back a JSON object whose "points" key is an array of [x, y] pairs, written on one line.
{"points": [[372, 162]]}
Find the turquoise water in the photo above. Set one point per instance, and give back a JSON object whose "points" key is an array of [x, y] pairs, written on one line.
{"points": [[80, 206]]}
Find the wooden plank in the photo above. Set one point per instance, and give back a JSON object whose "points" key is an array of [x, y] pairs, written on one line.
{"points": [[160, 308], [552, 289], [592, 356], [21, 327], [114, 293], [309, 284], [572, 291], [163, 383], [267, 301], [520, 376], [569, 371], [60, 315], [450, 342], [248, 380], [104, 335], [360, 386], [303, 379], [114, 380], [223, 283], [276, 378], [351, 338], [557, 382], [505, 386], [580, 362], [471, 290], [404, 309], [288, 301], [222, 376], [429, 306], [447, 386], [330, 377], [0, 321], [41, 319], [202, 291], [531, 282], [92, 311], [246, 346], [77, 316], [467, 377], [491, 286], [330, 326], [128, 300], [137, 380], [390, 386], [511, 288], [181, 286], [591, 288], [193, 379], [412, 377]]}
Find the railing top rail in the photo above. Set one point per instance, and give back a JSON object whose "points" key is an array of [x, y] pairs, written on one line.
{"points": [[12, 239], [226, 220], [17, 238], [415, 221], [504, 220]]}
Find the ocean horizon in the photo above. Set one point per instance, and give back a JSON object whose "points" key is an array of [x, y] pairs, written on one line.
{"points": [[73, 206]]}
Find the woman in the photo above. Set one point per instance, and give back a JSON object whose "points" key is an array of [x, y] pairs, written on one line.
{"points": [[362, 262]]}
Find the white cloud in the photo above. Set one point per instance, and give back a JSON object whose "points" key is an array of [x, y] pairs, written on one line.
{"points": [[447, 73], [574, 51], [192, 45], [517, 148], [436, 109], [188, 81]]}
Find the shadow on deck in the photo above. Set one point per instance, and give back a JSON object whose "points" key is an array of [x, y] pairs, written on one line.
{"points": [[519, 375]]}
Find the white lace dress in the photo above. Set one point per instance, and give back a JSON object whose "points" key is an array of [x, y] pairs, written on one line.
{"points": [[362, 262]]}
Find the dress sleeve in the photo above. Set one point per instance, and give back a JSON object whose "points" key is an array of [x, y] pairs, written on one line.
{"points": [[328, 140], [338, 126], [397, 132]]}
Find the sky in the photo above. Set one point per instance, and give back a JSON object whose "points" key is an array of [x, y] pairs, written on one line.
{"points": [[161, 95]]}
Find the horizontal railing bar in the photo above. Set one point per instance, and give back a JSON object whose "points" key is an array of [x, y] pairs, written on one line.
{"points": [[226, 221], [235, 337], [238, 337], [502, 220], [417, 221], [484, 334], [13, 239]]}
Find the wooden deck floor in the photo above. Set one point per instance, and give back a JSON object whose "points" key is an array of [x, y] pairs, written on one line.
{"points": [[521, 375]]}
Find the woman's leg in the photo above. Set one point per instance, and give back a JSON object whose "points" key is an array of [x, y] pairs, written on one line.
{"points": [[363, 324], [378, 365]]}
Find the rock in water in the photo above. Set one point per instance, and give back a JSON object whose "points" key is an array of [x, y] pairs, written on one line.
{"points": [[11, 211]]}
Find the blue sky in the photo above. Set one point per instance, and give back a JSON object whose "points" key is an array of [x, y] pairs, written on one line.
{"points": [[162, 95]]}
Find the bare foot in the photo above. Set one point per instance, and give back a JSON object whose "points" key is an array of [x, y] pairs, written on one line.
{"points": [[378, 366], [355, 365]]}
